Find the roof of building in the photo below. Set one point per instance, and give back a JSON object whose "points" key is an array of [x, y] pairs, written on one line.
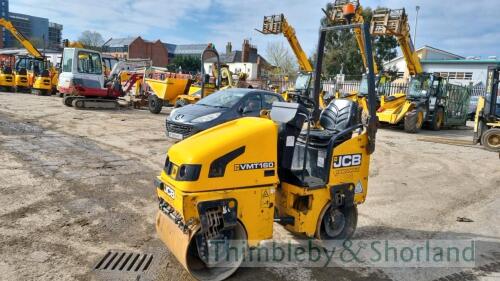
{"points": [[185, 49], [462, 61], [456, 57], [236, 56], [119, 42]]}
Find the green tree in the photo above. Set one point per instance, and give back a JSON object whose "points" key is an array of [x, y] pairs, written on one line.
{"points": [[185, 63], [342, 51]]}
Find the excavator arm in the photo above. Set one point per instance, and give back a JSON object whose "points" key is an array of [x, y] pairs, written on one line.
{"points": [[25, 42], [349, 12], [395, 23], [278, 24]]}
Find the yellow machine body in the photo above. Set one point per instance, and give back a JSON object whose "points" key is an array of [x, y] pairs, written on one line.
{"points": [[21, 81], [307, 206], [251, 191], [7, 80], [168, 89], [393, 108], [248, 142], [40, 84]]}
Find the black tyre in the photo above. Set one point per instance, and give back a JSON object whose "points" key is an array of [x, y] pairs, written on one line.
{"points": [[338, 223], [155, 104], [491, 140], [438, 119], [181, 103], [414, 121]]}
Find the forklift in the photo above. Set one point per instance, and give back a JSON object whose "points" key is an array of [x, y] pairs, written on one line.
{"points": [[487, 120], [252, 172]]}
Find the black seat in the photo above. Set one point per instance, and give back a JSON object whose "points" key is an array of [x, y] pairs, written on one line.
{"points": [[23, 71], [7, 70], [45, 73], [339, 115]]}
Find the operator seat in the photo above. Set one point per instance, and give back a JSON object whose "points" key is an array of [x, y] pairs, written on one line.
{"points": [[23, 71], [339, 115], [7, 70]]}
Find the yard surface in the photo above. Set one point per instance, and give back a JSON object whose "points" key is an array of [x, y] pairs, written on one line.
{"points": [[75, 184]]}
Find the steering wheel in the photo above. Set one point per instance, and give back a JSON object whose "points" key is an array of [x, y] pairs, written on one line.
{"points": [[306, 101]]}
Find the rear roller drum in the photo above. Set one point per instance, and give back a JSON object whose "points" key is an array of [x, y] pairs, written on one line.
{"points": [[338, 223]]}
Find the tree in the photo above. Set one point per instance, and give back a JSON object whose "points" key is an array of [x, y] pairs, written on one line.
{"points": [[185, 63], [342, 51], [280, 57], [91, 39]]}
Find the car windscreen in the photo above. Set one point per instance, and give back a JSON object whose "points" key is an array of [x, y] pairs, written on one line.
{"points": [[225, 99]]}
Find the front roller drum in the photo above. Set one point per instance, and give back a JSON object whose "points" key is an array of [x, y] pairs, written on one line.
{"points": [[184, 246]]}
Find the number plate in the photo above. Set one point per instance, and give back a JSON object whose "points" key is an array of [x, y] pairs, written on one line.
{"points": [[175, 135]]}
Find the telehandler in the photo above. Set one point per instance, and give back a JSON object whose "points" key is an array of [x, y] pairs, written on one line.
{"points": [[253, 171], [278, 24], [487, 120]]}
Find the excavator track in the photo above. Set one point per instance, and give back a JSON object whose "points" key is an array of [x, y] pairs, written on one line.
{"points": [[89, 103]]}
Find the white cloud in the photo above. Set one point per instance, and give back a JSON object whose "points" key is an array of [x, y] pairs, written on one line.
{"points": [[464, 27]]}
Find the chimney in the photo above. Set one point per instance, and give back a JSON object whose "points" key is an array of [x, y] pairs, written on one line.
{"points": [[246, 51], [229, 48]]}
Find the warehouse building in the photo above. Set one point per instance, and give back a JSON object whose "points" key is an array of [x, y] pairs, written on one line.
{"points": [[456, 68]]}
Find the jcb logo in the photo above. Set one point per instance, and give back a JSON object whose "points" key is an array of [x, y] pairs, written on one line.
{"points": [[344, 161]]}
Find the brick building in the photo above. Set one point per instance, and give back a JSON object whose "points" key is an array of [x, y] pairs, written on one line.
{"points": [[137, 48]]}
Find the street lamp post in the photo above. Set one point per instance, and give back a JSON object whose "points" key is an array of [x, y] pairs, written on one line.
{"points": [[416, 26]]}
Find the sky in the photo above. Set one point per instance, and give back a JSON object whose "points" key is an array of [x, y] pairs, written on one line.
{"points": [[467, 28]]}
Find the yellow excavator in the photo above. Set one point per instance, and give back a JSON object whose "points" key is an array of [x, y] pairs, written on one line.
{"points": [[487, 121], [277, 24], [35, 66], [219, 198]]}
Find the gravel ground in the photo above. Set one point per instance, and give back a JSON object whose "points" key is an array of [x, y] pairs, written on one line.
{"points": [[75, 184]]}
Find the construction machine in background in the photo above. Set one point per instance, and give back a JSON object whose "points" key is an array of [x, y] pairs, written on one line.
{"points": [[38, 74], [82, 81], [7, 76], [346, 12], [277, 24], [429, 99], [251, 172], [487, 119], [178, 90]]}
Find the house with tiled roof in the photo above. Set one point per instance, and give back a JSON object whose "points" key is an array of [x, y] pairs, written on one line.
{"points": [[137, 48], [247, 60]]}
